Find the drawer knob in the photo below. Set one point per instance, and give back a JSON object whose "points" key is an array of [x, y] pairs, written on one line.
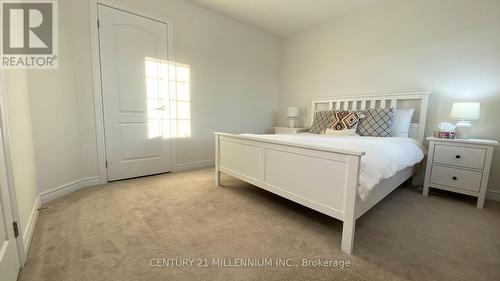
{"points": [[458, 156], [454, 178]]}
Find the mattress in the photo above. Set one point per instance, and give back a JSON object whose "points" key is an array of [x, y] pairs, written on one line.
{"points": [[383, 157]]}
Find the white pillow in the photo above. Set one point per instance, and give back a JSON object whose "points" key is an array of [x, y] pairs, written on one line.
{"points": [[347, 132], [402, 122]]}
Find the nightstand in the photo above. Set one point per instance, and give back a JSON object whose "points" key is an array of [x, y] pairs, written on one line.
{"points": [[287, 130], [459, 165]]}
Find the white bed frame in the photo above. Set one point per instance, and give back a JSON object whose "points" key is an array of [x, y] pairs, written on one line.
{"points": [[323, 179]]}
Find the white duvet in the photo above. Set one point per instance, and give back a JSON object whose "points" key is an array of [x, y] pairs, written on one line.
{"points": [[384, 156]]}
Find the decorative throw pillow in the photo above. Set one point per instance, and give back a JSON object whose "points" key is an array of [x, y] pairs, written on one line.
{"points": [[402, 122], [377, 122], [321, 121], [344, 120]]}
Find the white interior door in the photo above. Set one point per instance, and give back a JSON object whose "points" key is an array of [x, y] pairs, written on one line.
{"points": [[9, 257], [134, 69]]}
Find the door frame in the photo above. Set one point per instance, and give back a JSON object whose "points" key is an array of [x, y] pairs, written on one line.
{"points": [[6, 158], [96, 75]]}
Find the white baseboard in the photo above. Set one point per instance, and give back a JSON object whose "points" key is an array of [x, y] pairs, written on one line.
{"points": [[67, 188], [30, 227], [493, 195], [194, 166]]}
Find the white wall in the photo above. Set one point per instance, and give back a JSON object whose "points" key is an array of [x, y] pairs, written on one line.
{"points": [[21, 144], [234, 72], [55, 111], [450, 47]]}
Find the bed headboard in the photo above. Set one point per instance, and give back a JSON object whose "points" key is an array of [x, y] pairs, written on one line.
{"points": [[397, 101]]}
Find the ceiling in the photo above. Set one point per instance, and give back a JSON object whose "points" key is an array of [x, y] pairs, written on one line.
{"points": [[283, 17]]}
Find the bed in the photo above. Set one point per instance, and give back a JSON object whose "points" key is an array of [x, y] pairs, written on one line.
{"points": [[315, 173]]}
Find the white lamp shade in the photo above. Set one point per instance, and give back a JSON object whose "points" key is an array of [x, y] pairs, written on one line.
{"points": [[292, 111], [465, 111]]}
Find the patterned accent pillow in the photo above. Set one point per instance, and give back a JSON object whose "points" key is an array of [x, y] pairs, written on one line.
{"points": [[377, 122], [344, 120], [321, 121]]}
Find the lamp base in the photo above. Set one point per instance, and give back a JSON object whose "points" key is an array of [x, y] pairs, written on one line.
{"points": [[463, 129], [293, 122]]}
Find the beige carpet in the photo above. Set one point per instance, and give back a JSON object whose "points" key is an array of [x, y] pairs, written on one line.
{"points": [[112, 232]]}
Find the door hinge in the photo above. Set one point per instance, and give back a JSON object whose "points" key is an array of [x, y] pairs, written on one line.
{"points": [[16, 229], [98, 25], [106, 164]]}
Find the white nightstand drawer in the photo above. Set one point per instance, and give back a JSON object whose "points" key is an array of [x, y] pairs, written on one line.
{"points": [[459, 156], [458, 178]]}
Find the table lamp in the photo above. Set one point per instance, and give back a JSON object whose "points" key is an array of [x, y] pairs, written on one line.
{"points": [[293, 116], [464, 112]]}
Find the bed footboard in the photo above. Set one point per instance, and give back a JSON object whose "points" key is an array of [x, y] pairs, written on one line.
{"points": [[319, 178]]}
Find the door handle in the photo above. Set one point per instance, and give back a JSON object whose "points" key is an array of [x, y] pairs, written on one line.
{"points": [[161, 108]]}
